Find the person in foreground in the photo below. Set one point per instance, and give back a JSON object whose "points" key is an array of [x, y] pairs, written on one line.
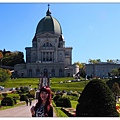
{"points": [[43, 107]]}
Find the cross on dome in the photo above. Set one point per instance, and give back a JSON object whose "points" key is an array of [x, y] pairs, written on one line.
{"points": [[48, 13]]}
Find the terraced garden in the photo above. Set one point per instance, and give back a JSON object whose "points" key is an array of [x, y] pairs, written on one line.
{"points": [[56, 84]]}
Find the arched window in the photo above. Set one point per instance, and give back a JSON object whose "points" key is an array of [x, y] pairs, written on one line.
{"points": [[30, 72], [44, 45], [60, 72], [47, 44], [50, 45], [46, 72], [38, 72], [53, 73], [22, 74], [15, 72]]}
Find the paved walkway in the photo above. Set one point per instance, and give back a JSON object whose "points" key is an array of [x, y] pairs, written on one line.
{"points": [[20, 111]]}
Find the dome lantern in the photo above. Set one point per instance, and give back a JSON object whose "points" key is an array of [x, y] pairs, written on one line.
{"points": [[48, 13]]}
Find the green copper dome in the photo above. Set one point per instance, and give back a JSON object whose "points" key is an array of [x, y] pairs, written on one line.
{"points": [[49, 24]]}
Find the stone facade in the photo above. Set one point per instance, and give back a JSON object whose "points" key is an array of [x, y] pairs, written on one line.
{"points": [[101, 69], [48, 55]]}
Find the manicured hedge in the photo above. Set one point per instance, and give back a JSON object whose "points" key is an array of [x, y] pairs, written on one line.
{"points": [[96, 100], [23, 97], [8, 101], [56, 97], [63, 102]]}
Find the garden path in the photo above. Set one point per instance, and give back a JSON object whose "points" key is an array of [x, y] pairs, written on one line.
{"points": [[19, 111]]}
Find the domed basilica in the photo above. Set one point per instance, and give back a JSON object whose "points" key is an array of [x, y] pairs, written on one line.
{"points": [[48, 55]]}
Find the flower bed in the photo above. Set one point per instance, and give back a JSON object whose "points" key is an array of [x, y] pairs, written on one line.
{"points": [[118, 107], [70, 112], [21, 102]]}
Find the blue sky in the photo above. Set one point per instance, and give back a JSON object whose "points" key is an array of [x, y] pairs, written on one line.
{"points": [[92, 29]]}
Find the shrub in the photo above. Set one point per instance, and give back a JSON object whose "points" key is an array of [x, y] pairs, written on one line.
{"points": [[72, 97], [23, 98], [59, 103], [19, 92], [56, 97], [15, 102], [24, 89], [63, 102], [4, 94], [96, 100], [75, 94], [31, 94], [52, 94], [111, 82], [16, 96], [7, 101], [1, 96]]}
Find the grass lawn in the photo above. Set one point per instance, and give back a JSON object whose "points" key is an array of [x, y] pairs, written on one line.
{"points": [[67, 86], [74, 103], [58, 111], [54, 83], [20, 82]]}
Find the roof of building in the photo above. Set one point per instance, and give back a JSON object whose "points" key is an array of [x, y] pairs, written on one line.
{"points": [[49, 24]]}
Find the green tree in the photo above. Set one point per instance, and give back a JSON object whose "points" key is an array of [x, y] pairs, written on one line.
{"points": [[116, 89], [4, 75], [117, 61], [82, 73], [111, 82], [94, 61], [90, 61], [98, 60], [119, 71], [109, 60], [1, 55], [18, 58], [115, 72], [13, 58], [81, 65]]}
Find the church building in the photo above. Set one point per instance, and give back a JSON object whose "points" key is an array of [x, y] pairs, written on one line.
{"points": [[48, 55]]}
